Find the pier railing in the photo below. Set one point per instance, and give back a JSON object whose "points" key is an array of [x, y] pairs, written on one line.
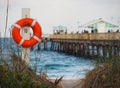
{"points": [[88, 36]]}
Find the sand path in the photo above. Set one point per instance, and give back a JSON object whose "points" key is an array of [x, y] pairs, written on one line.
{"points": [[69, 83]]}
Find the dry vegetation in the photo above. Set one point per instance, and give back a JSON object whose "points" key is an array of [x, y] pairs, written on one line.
{"points": [[105, 76], [19, 75]]}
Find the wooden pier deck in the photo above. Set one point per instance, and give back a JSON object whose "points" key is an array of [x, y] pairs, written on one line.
{"points": [[87, 44]]}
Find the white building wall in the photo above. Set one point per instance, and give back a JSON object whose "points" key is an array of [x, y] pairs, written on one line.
{"points": [[101, 28]]}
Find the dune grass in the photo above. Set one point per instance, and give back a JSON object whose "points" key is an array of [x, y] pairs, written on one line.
{"points": [[106, 75], [16, 74]]}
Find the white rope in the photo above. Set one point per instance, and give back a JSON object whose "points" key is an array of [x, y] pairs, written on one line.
{"points": [[38, 39], [16, 25], [33, 23], [21, 42]]}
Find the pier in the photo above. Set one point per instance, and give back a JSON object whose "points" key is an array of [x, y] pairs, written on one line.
{"points": [[87, 44]]}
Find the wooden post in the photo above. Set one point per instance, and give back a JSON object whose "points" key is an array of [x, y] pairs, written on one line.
{"points": [[98, 50], [83, 49], [87, 50], [104, 51], [77, 49], [45, 44], [93, 50], [73, 49], [63, 47], [39, 46], [69, 48], [51, 48], [66, 47], [110, 51], [55, 46], [80, 51], [118, 50], [58, 47], [26, 35]]}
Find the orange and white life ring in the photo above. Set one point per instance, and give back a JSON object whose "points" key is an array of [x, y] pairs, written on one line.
{"points": [[37, 32]]}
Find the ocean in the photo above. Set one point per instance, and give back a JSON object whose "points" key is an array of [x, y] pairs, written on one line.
{"points": [[52, 63]]}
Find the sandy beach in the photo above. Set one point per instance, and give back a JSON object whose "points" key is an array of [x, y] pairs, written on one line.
{"points": [[70, 83]]}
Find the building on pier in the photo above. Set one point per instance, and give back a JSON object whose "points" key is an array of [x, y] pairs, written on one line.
{"points": [[60, 29], [99, 26]]}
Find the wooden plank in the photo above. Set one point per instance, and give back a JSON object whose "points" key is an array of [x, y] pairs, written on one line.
{"points": [[87, 36]]}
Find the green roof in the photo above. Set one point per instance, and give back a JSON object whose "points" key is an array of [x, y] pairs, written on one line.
{"points": [[94, 24]]}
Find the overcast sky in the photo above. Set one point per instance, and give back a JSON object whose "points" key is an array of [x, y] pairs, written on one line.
{"points": [[70, 13]]}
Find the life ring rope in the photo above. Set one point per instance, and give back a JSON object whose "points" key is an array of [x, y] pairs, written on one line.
{"points": [[35, 37], [21, 42], [16, 25], [36, 31], [33, 23]]}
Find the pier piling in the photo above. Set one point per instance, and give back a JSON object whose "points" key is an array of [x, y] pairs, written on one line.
{"points": [[87, 45]]}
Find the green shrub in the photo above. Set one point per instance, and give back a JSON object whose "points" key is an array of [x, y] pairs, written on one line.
{"points": [[10, 79]]}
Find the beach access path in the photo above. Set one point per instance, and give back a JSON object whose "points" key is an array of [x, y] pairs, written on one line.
{"points": [[70, 83]]}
